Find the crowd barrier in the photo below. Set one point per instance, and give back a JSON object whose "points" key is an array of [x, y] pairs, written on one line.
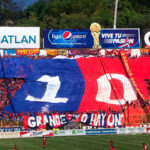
{"points": [[75, 132]]}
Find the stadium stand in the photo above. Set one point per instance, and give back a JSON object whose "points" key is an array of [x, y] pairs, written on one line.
{"points": [[9, 87]]}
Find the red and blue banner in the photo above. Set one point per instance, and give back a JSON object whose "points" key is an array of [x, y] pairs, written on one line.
{"points": [[66, 85], [41, 121], [58, 120]]}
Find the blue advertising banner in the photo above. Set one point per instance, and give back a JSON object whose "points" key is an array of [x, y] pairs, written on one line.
{"points": [[67, 38], [120, 38], [100, 131], [9, 52], [11, 129], [106, 38]]}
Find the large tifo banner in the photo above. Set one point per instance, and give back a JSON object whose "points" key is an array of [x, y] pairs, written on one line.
{"points": [[64, 85], [106, 38], [19, 37], [58, 120]]}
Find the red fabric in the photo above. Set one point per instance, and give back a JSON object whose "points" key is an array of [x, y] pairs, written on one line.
{"points": [[92, 72], [139, 71], [56, 120], [26, 125], [42, 121]]}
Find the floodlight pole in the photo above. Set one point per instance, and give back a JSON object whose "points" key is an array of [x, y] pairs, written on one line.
{"points": [[115, 13]]}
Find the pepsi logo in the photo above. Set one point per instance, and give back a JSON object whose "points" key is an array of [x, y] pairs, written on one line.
{"points": [[67, 35]]}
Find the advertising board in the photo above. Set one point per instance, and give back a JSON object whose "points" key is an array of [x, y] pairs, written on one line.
{"points": [[35, 133], [134, 130], [69, 132], [9, 135], [30, 52], [100, 131], [11, 129], [19, 37], [9, 52], [106, 38], [145, 37]]}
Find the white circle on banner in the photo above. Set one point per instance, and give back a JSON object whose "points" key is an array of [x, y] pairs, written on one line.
{"points": [[147, 38]]}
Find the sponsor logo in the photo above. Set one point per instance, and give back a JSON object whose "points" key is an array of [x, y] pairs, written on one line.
{"points": [[37, 133], [60, 132], [147, 38], [55, 132], [77, 132], [67, 36], [74, 132], [19, 37]]}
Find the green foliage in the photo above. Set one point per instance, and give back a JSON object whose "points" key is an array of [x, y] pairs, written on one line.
{"points": [[73, 21], [71, 14], [9, 12]]}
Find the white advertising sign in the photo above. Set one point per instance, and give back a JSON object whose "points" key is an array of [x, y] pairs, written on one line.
{"points": [[19, 37], [9, 135], [36, 133]]}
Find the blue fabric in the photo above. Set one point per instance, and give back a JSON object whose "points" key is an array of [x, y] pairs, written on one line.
{"points": [[72, 83]]}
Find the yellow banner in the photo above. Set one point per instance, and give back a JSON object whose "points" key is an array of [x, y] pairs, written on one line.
{"points": [[28, 51], [56, 52]]}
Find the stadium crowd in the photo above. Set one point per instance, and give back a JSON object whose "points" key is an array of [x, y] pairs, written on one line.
{"points": [[8, 88]]}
